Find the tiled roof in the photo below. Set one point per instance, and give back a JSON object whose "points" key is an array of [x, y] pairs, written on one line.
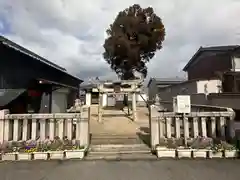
{"points": [[213, 48], [166, 81], [23, 50]]}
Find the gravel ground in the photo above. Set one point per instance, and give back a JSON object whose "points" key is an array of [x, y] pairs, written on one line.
{"points": [[121, 170]]}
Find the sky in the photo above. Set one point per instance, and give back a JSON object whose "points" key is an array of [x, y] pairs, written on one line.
{"points": [[71, 33]]}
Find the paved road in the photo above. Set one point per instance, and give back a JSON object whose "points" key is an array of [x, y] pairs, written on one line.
{"points": [[122, 170]]}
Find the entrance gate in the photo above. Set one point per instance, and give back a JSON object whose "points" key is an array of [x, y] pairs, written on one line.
{"points": [[130, 87]]}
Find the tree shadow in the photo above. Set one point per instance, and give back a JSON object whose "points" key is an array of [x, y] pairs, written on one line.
{"points": [[145, 129], [144, 136]]}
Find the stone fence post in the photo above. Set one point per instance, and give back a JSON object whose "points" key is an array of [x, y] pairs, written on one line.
{"points": [[84, 125], [3, 131], [154, 126]]}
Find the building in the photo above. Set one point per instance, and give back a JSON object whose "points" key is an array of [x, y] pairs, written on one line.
{"points": [[213, 80], [156, 84], [198, 89], [31, 83], [222, 62]]}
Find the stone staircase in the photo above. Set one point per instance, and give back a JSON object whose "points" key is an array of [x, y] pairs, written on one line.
{"points": [[118, 147], [100, 139]]}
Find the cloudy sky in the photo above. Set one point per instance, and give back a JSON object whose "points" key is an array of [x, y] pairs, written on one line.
{"points": [[71, 32]]}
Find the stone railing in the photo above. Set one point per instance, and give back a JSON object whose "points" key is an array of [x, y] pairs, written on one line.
{"points": [[205, 124], [21, 127]]}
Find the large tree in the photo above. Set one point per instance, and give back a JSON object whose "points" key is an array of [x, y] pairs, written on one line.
{"points": [[133, 38]]}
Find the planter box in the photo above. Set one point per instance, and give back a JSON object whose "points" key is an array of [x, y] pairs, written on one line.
{"points": [[75, 154], [40, 155], [24, 156], [184, 153], [56, 154], [215, 154], [230, 153], [165, 152], [200, 153], [9, 156]]}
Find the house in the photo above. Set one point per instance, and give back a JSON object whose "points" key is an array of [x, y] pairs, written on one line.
{"points": [[31, 83], [155, 84], [221, 62], [213, 78], [197, 88]]}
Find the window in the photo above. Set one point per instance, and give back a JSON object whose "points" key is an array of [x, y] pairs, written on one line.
{"points": [[236, 63]]}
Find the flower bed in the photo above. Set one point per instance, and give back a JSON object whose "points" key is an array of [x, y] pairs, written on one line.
{"points": [[42, 150], [195, 148]]}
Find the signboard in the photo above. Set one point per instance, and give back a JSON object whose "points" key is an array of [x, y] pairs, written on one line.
{"points": [[182, 104]]}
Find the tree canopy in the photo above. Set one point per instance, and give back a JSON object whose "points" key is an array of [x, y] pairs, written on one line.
{"points": [[133, 38]]}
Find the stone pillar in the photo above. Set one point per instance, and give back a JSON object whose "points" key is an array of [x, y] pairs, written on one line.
{"points": [[104, 100], [3, 131], [15, 129], [100, 108], [84, 126], [88, 98], [69, 126], [134, 107], [60, 128], [34, 129], [154, 126], [51, 129], [25, 130], [42, 129]]}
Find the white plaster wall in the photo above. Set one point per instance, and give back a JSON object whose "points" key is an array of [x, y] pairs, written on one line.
{"points": [[208, 86], [59, 101], [236, 61]]}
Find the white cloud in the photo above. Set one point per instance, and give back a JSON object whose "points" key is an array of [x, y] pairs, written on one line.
{"points": [[71, 32]]}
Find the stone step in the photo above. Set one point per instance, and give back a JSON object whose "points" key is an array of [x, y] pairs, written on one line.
{"points": [[115, 139], [121, 156], [112, 136], [120, 148]]}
